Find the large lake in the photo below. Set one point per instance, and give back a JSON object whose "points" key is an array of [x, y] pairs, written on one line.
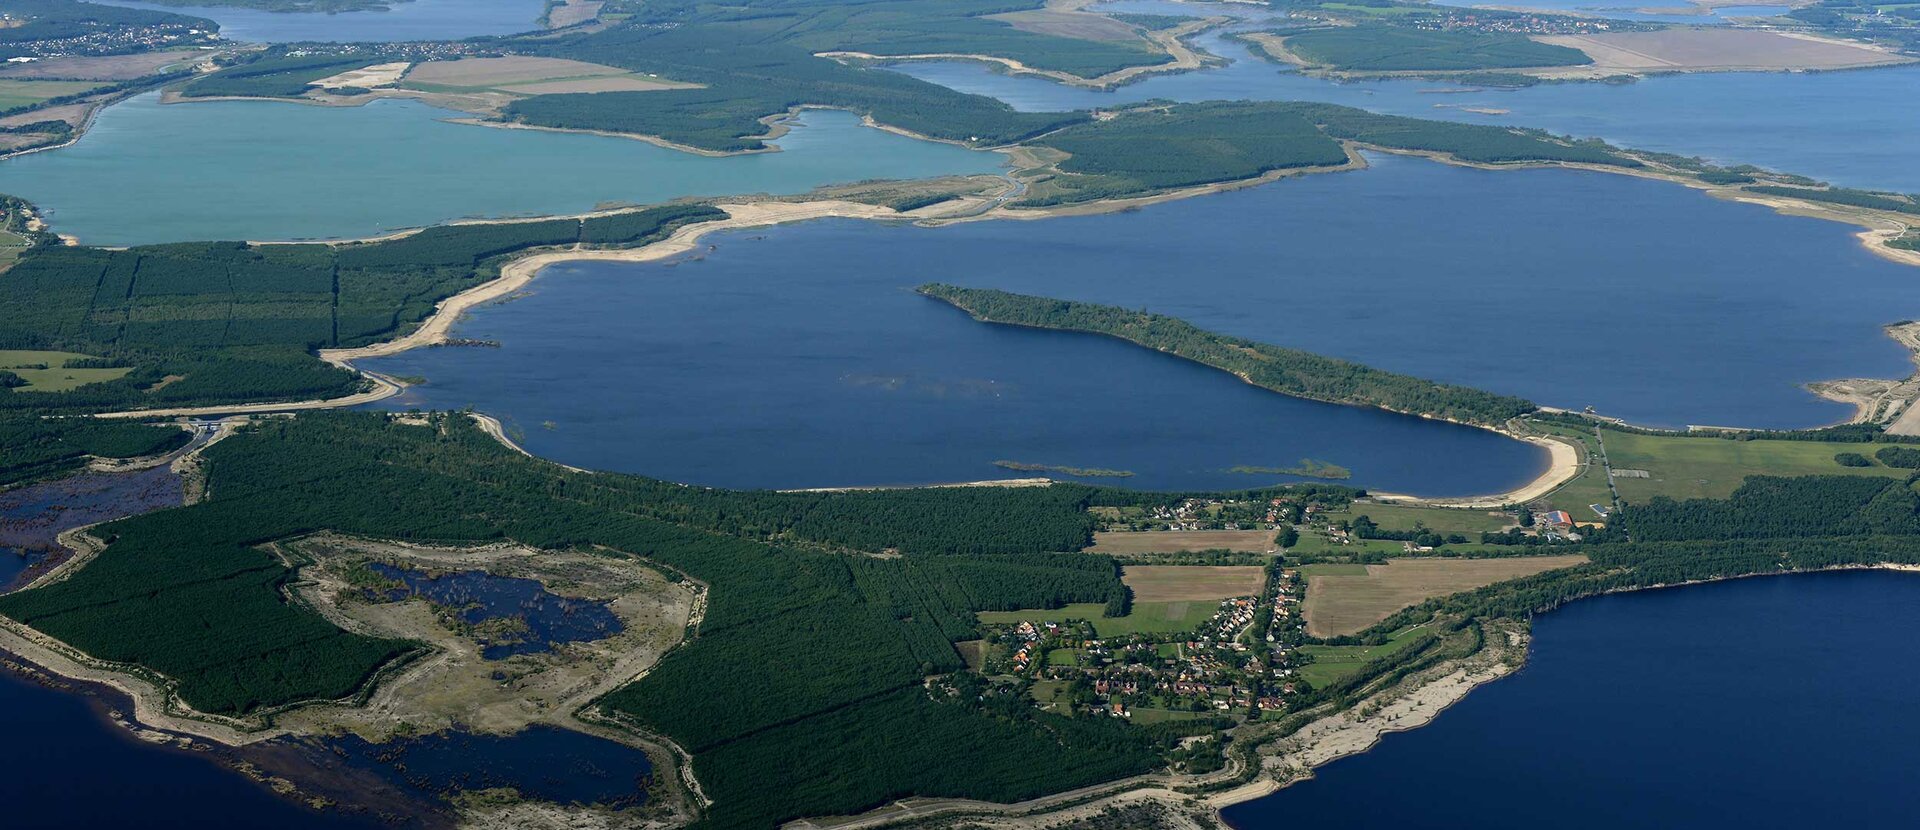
{"points": [[1838, 126], [416, 20], [797, 356], [1779, 702], [153, 172]]}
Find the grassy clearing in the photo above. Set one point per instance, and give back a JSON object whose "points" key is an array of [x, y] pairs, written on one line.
{"points": [[1683, 468], [27, 93], [53, 378], [1346, 603], [1147, 617], [1588, 488], [521, 75], [1176, 541], [1438, 519], [1174, 583], [1331, 663]]}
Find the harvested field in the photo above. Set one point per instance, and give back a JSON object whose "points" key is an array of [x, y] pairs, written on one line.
{"points": [[1175, 541], [107, 68], [1717, 49], [613, 83], [1344, 604], [1079, 25], [573, 13], [74, 114], [1186, 583]]}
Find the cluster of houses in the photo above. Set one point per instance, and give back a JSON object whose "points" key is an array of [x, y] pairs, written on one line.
{"points": [[1211, 514], [1226, 664], [1518, 23], [105, 40]]}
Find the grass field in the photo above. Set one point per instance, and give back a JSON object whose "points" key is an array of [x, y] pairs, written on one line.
{"points": [[1315, 542], [53, 378], [1346, 603], [1175, 583], [11, 244], [1147, 617], [1685, 468], [26, 93], [1438, 519], [1334, 569], [1588, 488], [1330, 663], [1175, 541], [522, 75]]}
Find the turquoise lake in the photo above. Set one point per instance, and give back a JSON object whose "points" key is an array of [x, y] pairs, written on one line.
{"points": [[416, 20], [1838, 126], [266, 170]]}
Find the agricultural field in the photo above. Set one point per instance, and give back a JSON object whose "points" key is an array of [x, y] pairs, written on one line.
{"points": [[1147, 617], [1682, 467], [99, 67], [15, 93], [1123, 542], [1331, 663], [1346, 603], [1718, 49], [47, 372], [1173, 583], [1078, 25], [524, 75]]}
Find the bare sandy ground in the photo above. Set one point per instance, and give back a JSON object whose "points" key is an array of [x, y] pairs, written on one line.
{"points": [[1713, 49], [366, 77], [1185, 58]]}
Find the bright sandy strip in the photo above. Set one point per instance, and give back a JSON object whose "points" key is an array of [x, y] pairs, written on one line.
{"points": [[1184, 59], [514, 276], [368, 77], [1563, 465]]}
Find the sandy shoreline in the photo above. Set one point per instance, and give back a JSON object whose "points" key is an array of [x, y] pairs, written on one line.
{"points": [[1563, 465], [1185, 58]]}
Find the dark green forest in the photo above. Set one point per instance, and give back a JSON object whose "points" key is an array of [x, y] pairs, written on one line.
{"points": [[33, 447], [806, 638], [1287, 371], [221, 322], [1382, 48]]}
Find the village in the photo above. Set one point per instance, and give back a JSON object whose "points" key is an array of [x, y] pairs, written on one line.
{"points": [[1238, 662]]}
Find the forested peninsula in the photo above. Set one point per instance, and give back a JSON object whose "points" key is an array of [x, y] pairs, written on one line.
{"points": [[1287, 371]]}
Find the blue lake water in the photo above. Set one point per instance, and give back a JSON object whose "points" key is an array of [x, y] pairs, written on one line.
{"points": [[797, 357], [1837, 126], [416, 20], [480, 596], [543, 762], [1782, 702], [152, 172], [66, 766]]}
